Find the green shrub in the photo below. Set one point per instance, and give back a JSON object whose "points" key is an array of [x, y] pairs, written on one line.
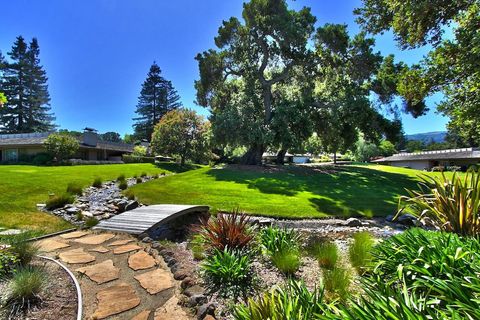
{"points": [[327, 255], [434, 268], [22, 248], [230, 231], [337, 281], [121, 178], [228, 273], [97, 182], [287, 261], [293, 301], [360, 251], [137, 159], [274, 239], [59, 201], [122, 185], [197, 245], [139, 180], [74, 188], [24, 288], [451, 204], [8, 261], [143, 175], [42, 159], [91, 222]]}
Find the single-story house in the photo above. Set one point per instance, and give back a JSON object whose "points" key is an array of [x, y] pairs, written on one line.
{"points": [[289, 158], [426, 160], [15, 147]]}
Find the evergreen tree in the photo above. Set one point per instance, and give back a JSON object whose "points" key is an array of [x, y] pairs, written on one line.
{"points": [[24, 83], [157, 97]]}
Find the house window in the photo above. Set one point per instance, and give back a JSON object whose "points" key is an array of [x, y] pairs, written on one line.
{"points": [[11, 155]]}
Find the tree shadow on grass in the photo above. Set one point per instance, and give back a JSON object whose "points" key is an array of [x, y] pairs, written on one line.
{"points": [[176, 167], [349, 191]]}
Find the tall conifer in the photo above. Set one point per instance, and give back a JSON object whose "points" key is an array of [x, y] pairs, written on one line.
{"points": [[157, 97]]}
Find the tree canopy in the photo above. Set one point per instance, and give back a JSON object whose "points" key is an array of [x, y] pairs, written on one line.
{"points": [[451, 67], [157, 97], [61, 145], [24, 83], [182, 134], [268, 88]]}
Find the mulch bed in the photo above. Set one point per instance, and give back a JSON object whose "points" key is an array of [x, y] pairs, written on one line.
{"points": [[58, 299]]}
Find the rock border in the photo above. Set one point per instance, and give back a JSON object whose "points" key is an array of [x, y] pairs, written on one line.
{"points": [[75, 281]]}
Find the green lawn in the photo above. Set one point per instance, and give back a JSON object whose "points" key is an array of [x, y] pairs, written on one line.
{"points": [[22, 187], [294, 192]]}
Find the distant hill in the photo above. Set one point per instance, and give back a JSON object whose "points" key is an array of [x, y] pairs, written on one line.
{"points": [[437, 136]]}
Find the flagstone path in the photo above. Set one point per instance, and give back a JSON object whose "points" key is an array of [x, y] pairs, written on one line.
{"points": [[120, 277]]}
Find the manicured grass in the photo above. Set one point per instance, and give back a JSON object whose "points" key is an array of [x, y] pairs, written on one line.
{"points": [[22, 187], [293, 192]]}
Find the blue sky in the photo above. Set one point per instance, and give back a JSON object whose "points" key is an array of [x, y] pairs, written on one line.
{"points": [[97, 52]]}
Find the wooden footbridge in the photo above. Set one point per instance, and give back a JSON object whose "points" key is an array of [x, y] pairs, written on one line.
{"points": [[157, 221]]}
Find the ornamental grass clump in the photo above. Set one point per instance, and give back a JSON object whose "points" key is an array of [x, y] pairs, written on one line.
{"points": [[337, 281], [274, 240], [287, 261], [22, 248], [327, 255], [97, 182], [59, 201], [293, 301], [360, 251], [229, 273], [24, 288], [231, 231], [75, 188], [121, 178], [122, 185], [452, 205], [426, 273]]}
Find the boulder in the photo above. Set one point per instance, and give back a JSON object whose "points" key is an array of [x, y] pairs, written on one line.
{"points": [[131, 205], [407, 220], [353, 222], [205, 310]]}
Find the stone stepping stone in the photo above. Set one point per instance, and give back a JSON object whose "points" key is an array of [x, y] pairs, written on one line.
{"points": [[155, 281], [120, 242], [142, 315], [141, 260], [50, 245], [73, 235], [170, 310], [99, 249], [114, 300], [75, 256], [96, 239], [126, 248], [101, 272]]}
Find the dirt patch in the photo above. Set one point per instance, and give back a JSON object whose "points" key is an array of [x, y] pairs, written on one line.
{"points": [[58, 299]]}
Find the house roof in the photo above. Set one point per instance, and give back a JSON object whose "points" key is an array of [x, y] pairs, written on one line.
{"points": [[38, 138], [463, 153]]}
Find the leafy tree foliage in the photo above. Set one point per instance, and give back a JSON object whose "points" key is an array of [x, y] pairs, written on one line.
{"points": [[237, 80], [452, 65], [181, 133], [157, 97], [3, 99], [268, 89], [139, 151], [61, 146], [111, 136], [386, 148], [24, 83]]}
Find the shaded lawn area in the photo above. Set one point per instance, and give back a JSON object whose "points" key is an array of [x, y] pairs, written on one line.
{"points": [[293, 192], [22, 187]]}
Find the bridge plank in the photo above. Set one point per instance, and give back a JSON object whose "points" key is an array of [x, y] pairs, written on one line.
{"points": [[142, 219]]}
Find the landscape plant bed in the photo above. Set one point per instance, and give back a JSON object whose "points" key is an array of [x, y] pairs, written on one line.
{"points": [[58, 299], [180, 257]]}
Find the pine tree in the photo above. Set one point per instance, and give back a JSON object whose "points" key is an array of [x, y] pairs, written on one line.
{"points": [[24, 82], [157, 97], [39, 118]]}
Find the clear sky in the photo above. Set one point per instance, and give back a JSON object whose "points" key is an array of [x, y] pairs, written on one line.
{"points": [[97, 52]]}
